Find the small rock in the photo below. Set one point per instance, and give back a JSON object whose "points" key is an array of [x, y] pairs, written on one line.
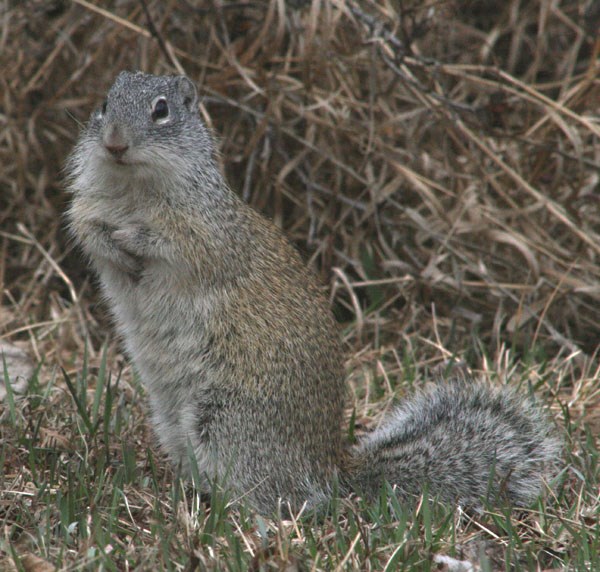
{"points": [[19, 366]]}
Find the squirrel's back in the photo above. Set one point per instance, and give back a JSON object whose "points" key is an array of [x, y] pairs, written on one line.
{"points": [[234, 341]]}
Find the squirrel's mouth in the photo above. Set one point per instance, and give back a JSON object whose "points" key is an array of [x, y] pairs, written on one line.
{"points": [[124, 158], [110, 159]]}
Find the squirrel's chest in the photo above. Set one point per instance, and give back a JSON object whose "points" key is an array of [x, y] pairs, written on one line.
{"points": [[156, 314], [164, 330]]}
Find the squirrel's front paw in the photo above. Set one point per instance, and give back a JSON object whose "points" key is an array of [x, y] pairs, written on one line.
{"points": [[133, 239], [141, 242], [100, 244]]}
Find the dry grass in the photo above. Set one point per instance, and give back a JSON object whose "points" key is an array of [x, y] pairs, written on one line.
{"points": [[438, 162]]}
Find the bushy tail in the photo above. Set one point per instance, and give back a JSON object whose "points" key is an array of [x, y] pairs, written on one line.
{"points": [[467, 441]]}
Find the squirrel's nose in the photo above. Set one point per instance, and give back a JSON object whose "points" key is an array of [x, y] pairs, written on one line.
{"points": [[115, 142], [116, 151]]}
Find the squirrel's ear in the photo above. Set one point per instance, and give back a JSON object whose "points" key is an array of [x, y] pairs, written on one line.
{"points": [[188, 92]]}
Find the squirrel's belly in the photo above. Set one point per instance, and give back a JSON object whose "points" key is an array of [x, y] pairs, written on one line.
{"points": [[163, 329]]}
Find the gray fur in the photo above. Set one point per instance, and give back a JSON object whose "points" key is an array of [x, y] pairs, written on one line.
{"points": [[235, 343], [467, 440]]}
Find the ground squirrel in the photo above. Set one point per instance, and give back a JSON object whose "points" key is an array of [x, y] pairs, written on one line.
{"points": [[236, 345]]}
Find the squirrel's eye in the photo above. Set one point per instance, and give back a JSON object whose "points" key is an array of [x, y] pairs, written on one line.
{"points": [[102, 109], [160, 109]]}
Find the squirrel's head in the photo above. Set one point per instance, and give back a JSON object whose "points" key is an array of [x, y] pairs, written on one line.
{"points": [[148, 127]]}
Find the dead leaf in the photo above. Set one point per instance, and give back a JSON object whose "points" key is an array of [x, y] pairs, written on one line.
{"points": [[33, 563]]}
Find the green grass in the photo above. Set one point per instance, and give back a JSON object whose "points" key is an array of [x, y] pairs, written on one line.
{"points": [[84, 488]]}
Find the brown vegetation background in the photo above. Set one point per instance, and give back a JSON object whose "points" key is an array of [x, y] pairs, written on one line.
{"points": [[437, 162]]}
